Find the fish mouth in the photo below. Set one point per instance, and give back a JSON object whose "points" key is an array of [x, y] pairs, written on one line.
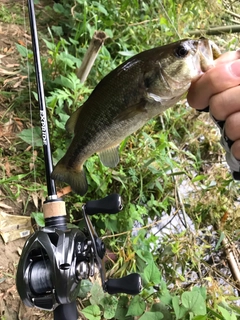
{"points": [[208, 52]]}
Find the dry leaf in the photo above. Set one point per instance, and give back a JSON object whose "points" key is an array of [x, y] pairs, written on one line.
{"points": [[7, 168], [6, 72], [13, 227], [5, 206], [64, 191], [35, 199]]}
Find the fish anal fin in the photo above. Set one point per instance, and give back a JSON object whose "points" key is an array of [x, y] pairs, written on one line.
{"points": [[132, 111], [75, 178], [109, 157], [71, 123]]}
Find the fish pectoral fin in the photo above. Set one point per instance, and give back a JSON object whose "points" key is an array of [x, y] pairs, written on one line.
{"points": [[132, 111], [71, 123], [109, 157]]}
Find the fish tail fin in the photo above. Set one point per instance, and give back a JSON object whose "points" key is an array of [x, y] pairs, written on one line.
{"points": [[75, 178]]}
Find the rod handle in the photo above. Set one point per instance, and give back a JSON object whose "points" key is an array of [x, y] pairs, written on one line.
{"points": [[110, 204]]}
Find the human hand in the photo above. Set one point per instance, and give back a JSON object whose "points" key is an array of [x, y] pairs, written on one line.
{"points": [[219, 89]]}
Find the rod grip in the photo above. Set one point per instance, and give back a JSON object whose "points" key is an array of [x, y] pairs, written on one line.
{"points": [[110, 204]]}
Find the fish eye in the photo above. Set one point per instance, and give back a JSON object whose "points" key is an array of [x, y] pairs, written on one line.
{"points": [[181, 52]]}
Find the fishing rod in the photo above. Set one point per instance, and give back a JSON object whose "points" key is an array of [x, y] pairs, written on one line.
{"points": [[56, 258]]}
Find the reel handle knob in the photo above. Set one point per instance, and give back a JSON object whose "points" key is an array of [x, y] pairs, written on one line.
{"points": [[66, 312], [110, 204], [130, 284]]}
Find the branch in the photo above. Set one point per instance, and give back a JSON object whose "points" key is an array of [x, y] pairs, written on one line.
{"points": [[231, 256], [235, 15], [216, 30], [232, 261], [90, 56]]}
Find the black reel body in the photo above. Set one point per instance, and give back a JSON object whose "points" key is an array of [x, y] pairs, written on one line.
{"points": [[55, 260], [47, 270]]}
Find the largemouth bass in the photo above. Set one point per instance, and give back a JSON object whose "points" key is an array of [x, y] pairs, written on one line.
{"points": [[123, 101]]}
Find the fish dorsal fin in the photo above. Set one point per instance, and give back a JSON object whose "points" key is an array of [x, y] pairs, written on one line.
{"points": [[71, 123], [109, 157]]}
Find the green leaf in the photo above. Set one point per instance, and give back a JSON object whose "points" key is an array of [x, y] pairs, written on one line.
{"points": [[57, 30], [31, 136], [199, 178], [194, 302], [101, 8], [127, 53], [85, 288], [22, 50], [145, 255], [59, 8], [179, 310], [136, 307], [152, 273], [97, 294], [165, 296], [201, 290], [122, 308], [92, 312], [226, 314], [162, 308], [151, 316], [109, 304], [51, 46], [39, 218], [222, 236]]}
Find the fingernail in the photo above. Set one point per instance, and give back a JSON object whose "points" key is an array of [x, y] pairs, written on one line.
{"points": [[235, 68]]}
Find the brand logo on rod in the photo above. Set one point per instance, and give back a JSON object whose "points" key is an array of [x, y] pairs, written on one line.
{"points": [[43, 126]]}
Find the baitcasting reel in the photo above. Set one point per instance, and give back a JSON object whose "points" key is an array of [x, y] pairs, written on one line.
{"points": [[56, 259]]}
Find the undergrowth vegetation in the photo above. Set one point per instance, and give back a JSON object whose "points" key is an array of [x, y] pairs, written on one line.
{"points": [[172, 176]]}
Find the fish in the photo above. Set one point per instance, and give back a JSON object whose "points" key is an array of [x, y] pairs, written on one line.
{"points": [[126, 99]]}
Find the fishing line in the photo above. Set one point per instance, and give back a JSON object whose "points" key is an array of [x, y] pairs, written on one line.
{"points": [[51, 188], [30, 99], [169, 19], [25, 4]]}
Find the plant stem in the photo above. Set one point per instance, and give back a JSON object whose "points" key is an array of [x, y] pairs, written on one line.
{"points": [[216, 30], [90, 56]]}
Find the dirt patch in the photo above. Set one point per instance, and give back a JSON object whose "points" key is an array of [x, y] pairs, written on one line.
{"points": [[11, 307]]}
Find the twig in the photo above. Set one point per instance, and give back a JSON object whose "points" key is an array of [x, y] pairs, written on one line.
{"points": [[142, 22], [179, 197], [216, 30], [232, 260], [90, 56], [235, 15]]}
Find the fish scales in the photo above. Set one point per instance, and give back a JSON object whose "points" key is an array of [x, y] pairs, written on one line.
{"points": [[129, 96]]}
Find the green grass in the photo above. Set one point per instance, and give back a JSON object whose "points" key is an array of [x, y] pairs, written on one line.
{"points": [[145, 175], [12, 13]]}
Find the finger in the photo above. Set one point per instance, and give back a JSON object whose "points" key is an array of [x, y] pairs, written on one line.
{"points": [[219, 78], [228, 57], [235, 149], [232, 126], [229, 102]]}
